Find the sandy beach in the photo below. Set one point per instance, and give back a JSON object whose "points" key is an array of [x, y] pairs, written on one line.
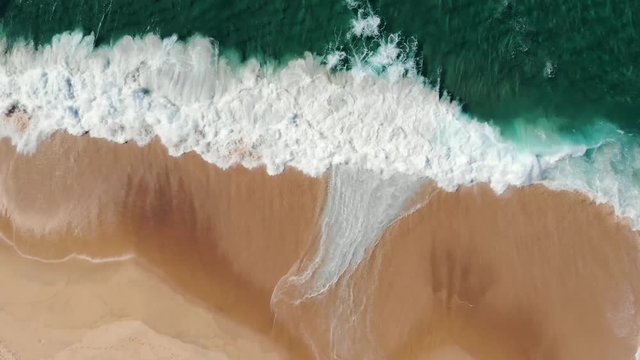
{"points": [[81, 310], [117, 251]]}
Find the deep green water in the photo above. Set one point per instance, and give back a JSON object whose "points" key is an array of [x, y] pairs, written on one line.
{"points": [[492, 54], [555, 63], [265, 29]]}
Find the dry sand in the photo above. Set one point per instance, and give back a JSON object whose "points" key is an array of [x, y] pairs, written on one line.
{"points": [[531, 274], [80, 310]]}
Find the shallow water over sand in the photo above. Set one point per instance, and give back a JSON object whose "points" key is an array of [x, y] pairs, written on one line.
{"points": [[530, 274]]}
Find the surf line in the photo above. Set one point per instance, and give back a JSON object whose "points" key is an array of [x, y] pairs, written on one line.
{"points": [[72, 256]]}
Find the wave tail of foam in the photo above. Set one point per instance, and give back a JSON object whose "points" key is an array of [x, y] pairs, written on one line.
{"points": [[361, 205]]}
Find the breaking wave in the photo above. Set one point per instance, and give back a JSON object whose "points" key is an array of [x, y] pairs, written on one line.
{"points": [[304, 114]]}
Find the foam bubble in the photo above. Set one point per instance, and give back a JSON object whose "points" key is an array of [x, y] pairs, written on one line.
{"points": [[366, 24]]}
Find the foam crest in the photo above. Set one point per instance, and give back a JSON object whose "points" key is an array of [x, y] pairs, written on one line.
{"points": [[301, 115]]}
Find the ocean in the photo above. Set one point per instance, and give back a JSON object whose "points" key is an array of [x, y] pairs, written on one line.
{"points": [[372, 106]]}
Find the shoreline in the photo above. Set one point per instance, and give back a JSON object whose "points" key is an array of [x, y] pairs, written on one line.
{"points": [[470, 273]]}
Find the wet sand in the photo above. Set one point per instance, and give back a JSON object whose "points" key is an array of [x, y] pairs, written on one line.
{"points": [[530, 274], [222, 238]]}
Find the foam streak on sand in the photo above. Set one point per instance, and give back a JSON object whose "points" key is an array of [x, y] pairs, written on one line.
{"points": [[73, 256], [360, 206]]}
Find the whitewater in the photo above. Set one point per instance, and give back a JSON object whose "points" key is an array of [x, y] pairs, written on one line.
{"points": [[379, 115]]}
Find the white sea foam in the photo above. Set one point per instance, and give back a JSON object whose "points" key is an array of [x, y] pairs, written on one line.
{"points": [[361, 204], [366, 24], [300, 115], [72, 256], [377, 125]]}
